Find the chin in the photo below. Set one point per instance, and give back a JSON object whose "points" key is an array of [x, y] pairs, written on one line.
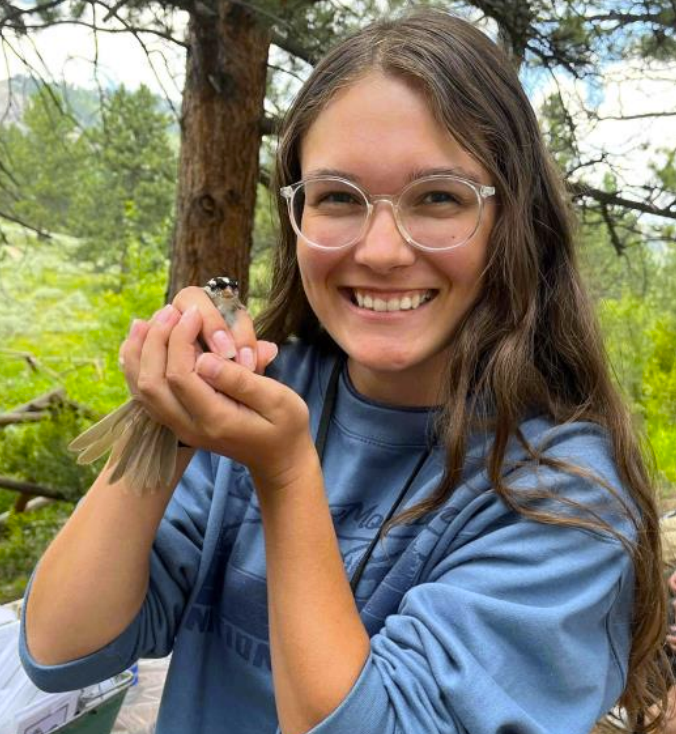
{"points": [[384, 360]]}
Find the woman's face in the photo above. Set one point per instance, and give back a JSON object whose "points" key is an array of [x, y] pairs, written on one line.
{"points": [[380, 133]]}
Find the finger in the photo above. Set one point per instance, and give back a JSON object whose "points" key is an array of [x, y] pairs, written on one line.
{"points": [[152, 386], [215, 331], [200, 399], [261, 394], [153, 360], [267, 351], [245, 340], [182, 350], [130, 352]]}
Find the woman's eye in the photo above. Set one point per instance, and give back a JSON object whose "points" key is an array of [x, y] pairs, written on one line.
{"points": [[338, 197], [439, 197]]}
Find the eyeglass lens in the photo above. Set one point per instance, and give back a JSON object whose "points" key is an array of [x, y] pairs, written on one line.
{"points": [[435, 213]]}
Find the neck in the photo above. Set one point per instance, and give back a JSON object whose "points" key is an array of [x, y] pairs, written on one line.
{"points": [[417, 387]]}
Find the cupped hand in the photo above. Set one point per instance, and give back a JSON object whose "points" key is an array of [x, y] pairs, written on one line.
{"points": [[214, 403], [238, 342]]}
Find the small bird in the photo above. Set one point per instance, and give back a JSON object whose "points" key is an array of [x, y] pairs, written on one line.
{"points": [[142, 449]]}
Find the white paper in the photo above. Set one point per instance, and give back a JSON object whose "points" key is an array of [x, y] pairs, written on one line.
{"points": [[47, 714]]}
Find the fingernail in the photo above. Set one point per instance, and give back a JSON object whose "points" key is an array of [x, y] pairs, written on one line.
{"points": [[164, 314], [275, 352], [135, 328], [208, 365], [247, 358], [224, 345]]}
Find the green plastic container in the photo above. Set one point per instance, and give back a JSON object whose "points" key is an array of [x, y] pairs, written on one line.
{"points": [[99, 717]]}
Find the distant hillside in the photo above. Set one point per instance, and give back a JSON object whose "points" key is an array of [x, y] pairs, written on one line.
{"points": [[83, 104], [14, 94]]}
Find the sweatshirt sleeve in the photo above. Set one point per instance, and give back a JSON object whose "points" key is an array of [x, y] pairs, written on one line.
{"points": [[174, 563], [523, 627]]}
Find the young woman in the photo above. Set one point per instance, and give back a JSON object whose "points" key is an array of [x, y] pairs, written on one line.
{"points": [[431, 514]]}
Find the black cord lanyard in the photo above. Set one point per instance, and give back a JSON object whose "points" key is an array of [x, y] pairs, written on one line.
{"points": [[320, 444]]}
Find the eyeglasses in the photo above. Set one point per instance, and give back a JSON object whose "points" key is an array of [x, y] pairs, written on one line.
{"points": [[435, 213]]}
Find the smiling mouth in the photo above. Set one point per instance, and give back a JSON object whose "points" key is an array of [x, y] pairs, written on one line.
{"points": [[370, 301]]}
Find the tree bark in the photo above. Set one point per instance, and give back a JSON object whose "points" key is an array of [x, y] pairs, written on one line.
{"points": [[220, 139]]}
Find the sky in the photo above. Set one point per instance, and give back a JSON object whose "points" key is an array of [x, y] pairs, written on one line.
{"points": [[67, 53]]}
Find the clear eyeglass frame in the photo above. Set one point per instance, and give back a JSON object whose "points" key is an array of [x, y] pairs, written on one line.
{"points": [[482, 192]]}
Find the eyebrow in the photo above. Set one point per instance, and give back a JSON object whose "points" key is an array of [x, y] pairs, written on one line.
{"points": [[412, 175]]}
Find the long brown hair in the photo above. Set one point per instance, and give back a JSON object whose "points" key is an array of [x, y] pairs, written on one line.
{"points": [[531, 340]]}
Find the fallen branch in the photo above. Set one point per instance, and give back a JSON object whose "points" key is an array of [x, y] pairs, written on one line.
{"points": [[42, 402], [8, 419], [38, 408], [35, 490]]}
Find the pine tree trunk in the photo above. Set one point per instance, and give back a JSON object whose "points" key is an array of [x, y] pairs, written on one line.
{"points": [[220, 138]]}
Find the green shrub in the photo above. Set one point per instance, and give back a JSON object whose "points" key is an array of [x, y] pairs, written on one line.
{"points": [[23, 539]]}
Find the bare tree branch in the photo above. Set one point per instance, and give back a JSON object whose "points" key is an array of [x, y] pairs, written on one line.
{"points": [[286, 71], [103, 29], [612, 231], [645, 115], [137, 35], [606, 198], [41, 233], [625, 18], [293, 47], [113, 11]]}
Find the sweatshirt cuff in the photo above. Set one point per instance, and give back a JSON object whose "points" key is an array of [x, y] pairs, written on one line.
{"points": [[81, 672], [365, 709]]}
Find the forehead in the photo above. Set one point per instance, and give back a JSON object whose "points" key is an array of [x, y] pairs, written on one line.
{"points": [[382, 130]]}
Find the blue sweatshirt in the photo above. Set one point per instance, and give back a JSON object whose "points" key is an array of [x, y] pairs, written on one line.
{"points": [[480, 620]]}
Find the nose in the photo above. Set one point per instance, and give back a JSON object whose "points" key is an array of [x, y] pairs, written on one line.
{"points": [[383, 247]]}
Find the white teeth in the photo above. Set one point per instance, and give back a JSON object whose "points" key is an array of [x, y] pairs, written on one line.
{"points": [[407, 303]]}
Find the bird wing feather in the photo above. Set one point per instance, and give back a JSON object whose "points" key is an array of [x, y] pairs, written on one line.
{"points": [[143, 465], [104, 426], [136, 444], [167, 462]]}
